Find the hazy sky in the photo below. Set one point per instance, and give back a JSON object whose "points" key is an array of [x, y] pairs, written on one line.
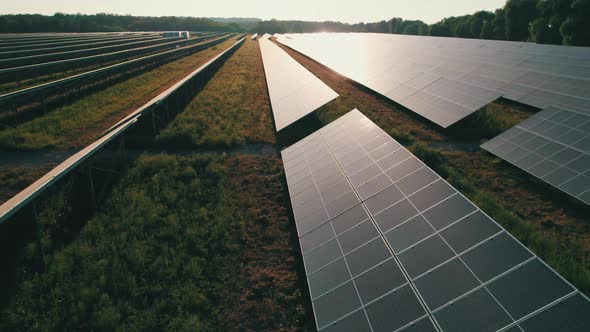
{"points": [[310, 10]]}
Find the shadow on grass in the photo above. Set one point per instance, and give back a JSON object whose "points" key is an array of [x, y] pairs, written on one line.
{"points": [[490, 121], [299, 130]]}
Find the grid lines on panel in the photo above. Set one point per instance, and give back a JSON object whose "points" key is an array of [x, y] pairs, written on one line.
{"points": [[442, 253], [552, 145], [447, 79], [294, 92]]}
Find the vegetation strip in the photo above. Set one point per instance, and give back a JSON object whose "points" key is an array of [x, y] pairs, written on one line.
{"points": [[204, 244], [232, 110]]}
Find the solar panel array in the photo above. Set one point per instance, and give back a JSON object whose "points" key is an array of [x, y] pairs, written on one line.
{"points": [[388, 245], [446, 79], [553, 145], [294, 92]]}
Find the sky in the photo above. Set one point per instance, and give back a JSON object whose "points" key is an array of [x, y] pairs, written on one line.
{"points": [[348, 11]]}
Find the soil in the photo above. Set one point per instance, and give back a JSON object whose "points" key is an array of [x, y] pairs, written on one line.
{"points": [[272, 293]]}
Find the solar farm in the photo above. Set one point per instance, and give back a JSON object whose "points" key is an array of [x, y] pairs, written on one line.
{"points": [[298, 182]]}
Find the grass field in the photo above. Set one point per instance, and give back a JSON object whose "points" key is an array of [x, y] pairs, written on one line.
{"points": [[232, 110], [203, 245], [79, 123]]}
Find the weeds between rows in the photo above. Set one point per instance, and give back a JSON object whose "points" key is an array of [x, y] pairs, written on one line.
{"points": [[202, 245], [82, 121], [231, 110]]}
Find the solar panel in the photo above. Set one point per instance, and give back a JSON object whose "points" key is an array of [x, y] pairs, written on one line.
{"points": [[554, 146], [447, 79], [388, 245], [294, 91]]}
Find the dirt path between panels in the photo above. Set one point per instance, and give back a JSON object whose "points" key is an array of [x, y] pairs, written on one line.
{"points": [[271, 290], [556, 228]]}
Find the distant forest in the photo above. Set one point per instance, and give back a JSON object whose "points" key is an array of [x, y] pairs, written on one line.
{"points": [[108, 23], [562, 22]]}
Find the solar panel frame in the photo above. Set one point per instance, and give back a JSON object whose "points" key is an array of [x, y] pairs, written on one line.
{"points": [[294, 91], [552, 145]]}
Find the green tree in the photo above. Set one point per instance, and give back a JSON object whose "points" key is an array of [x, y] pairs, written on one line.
{"points": [[424, 30], [499, 24], [273, 26], [462, 29], [552, 14], [477, 22], [575, 30], [519, 15], [440, 29]]}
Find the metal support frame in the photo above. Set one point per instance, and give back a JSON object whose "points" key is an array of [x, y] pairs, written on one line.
{"points": [[40, 250], [15, 112], [92, 189], [154, 120]]}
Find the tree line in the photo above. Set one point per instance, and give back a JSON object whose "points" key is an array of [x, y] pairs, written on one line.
{"points": [[60, 22], [561, 22]]}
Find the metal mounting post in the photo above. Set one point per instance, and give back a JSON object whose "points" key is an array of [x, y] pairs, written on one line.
{"points": [[40, 250], [92, 190], [154, 121], [14, 108]]}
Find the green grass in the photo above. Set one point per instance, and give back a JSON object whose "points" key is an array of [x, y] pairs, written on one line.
{"points": [[232, 109], [79, 123], [489, 122], [155, 258], [197, 243]]}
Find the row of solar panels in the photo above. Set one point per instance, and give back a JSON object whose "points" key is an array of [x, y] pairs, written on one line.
{"points": [[119, 45], [388, 245], [446, 79], [16, 98], [552, 145], [294, 91], [25, 41], [20, 200], [45, 68], [79, 46]]}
